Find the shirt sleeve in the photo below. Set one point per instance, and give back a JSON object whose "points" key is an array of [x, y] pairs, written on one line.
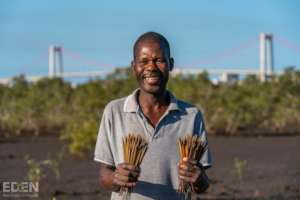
{"points": [[103, 151], [206, 159]]}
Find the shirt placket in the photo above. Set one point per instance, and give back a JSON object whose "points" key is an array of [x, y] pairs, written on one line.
{"points": [[151, 132]]}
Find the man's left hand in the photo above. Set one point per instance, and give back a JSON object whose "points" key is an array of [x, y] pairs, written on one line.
{"points": [[189, 171]]}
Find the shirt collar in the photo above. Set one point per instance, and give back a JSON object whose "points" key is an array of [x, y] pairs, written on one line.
{"points": [[131, 104]]}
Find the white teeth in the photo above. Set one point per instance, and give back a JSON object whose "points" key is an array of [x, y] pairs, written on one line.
{"points": [[151, 78]]}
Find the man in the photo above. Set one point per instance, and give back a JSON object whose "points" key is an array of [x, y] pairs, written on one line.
{"points": [[158, 116]]}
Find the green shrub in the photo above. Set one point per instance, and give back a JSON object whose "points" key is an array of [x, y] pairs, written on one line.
{"points": [[35, 108], [52, 105]]}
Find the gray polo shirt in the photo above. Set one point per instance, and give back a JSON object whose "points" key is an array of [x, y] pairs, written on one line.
{"points": [[159, 169]]}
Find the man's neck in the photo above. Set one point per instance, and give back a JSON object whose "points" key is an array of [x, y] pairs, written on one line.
{"points": [[152, 102]]}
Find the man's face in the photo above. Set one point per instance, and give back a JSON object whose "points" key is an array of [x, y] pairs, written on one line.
{"points": [[151, 66]]}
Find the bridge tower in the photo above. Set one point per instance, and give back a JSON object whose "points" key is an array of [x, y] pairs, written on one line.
{"points": [[266, 56], [55, 62]]}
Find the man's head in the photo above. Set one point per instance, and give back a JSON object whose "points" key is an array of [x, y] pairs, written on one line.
{"points": [[152, 62]]}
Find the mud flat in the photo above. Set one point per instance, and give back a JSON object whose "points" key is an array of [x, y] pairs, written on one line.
{"points": [[243, 168]]}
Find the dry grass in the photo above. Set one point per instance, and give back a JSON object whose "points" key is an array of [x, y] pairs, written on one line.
{"points": [[191, 147]]}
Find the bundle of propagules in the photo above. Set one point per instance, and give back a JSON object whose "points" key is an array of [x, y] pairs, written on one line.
{"points": [[191, 147], [134, 149]]}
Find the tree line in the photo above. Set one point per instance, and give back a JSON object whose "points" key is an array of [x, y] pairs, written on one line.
{"points": [[53, 106]]}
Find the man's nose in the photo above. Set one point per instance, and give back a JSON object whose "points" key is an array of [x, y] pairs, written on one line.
{"points": [[151, 64]]}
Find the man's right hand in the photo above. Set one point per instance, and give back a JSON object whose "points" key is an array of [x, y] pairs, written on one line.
{"points": [[126, 175]]}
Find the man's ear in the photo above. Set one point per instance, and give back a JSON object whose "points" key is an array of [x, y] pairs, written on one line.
{"points": [[132, 67], [171, 64]]}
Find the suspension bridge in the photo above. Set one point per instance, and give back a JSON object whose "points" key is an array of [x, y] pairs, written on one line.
{"points": [[266, 63]]}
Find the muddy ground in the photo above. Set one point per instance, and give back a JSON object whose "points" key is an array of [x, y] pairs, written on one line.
{"points": [[244, 168]]}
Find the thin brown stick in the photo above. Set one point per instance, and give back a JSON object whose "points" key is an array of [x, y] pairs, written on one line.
{"points": [[134, 150], [191, 147]]}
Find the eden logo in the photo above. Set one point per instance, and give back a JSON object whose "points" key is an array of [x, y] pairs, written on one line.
{"points": [[20, 189]]}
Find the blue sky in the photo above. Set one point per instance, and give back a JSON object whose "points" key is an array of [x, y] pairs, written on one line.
{"points": [[101, 33]]}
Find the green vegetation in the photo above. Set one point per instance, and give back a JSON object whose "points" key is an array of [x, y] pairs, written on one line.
{"points": [[34, 108], [53, 106], [239, 168], [36, 169]]}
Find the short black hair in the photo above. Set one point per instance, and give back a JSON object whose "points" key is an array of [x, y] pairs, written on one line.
{"points": [[152, 36]]}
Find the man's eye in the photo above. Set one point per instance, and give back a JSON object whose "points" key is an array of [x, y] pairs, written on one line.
{"points": [[160, 61], [143, 62]]}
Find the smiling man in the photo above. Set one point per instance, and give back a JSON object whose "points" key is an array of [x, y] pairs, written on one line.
{"points": [[158, 116]]}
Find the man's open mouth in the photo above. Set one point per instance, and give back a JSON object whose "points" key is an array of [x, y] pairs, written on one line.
{"points": [[152, 79]]}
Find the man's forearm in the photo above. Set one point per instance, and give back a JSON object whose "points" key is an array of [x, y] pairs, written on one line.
{"points": [[107, 176], [202, 184]]}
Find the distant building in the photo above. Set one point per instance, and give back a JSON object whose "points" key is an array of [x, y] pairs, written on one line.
{"points": [[230, 78]]}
